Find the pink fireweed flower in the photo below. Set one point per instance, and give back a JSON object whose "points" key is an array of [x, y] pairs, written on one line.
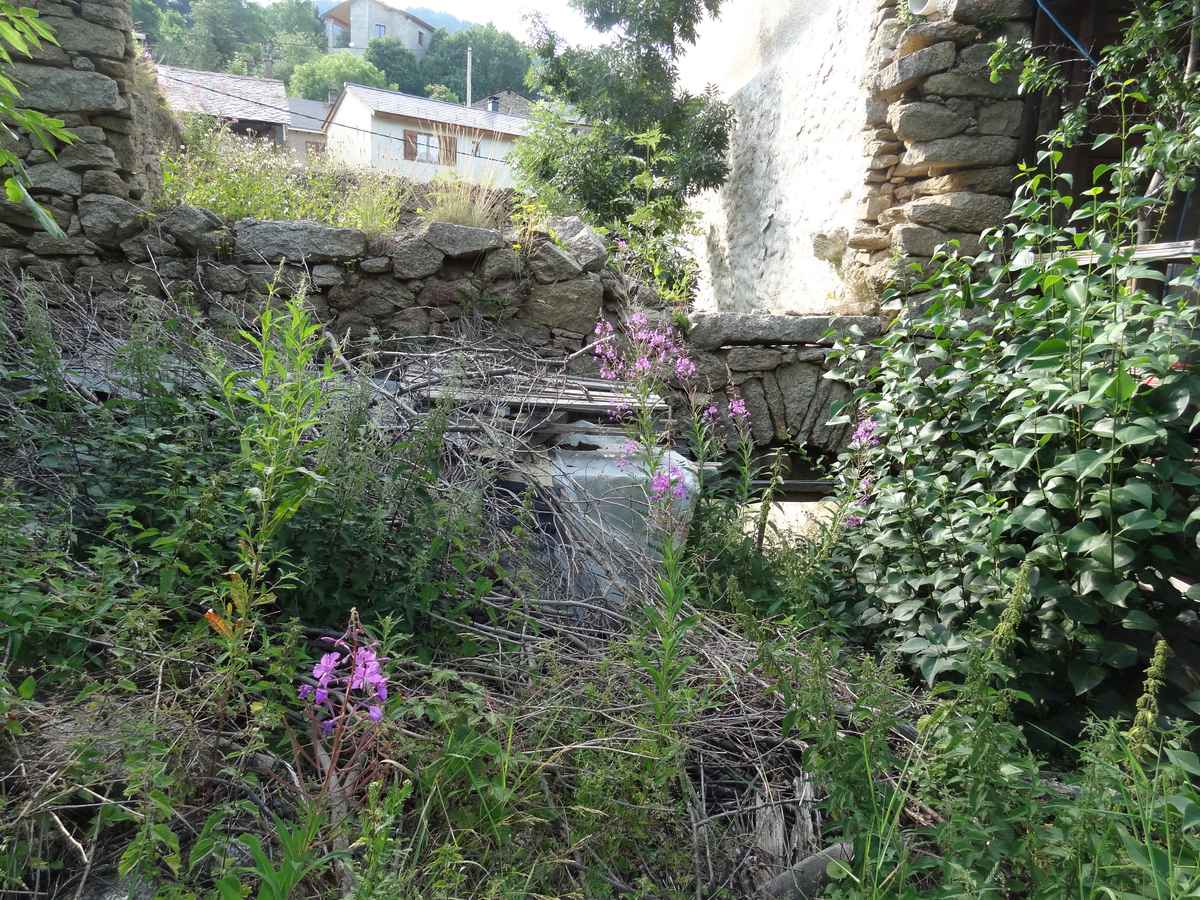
{"points": [[684, 368], [376, 713], [306, 691], [854, 521], [711, 414], [323, 670], [668, 482], [865, 434], [738, 411], [320, 696]]}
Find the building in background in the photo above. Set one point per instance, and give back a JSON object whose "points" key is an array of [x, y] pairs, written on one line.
{"points": [[352, 24], [256, 107], [306, 126], [421, 138], [508, 102]]}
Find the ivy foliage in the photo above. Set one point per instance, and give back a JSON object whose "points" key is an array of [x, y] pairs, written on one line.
{"points": [[1039, 404]]}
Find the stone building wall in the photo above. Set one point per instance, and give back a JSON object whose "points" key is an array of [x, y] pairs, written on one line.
{"points": [[93, 81], [865, 138]]}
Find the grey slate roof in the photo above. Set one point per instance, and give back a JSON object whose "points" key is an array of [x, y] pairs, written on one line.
{"points": [[511, 103], [224, 96], [307, 115], [397, 104]]}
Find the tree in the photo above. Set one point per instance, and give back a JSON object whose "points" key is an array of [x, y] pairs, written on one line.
{"points": [[327, 75], [624, 88], [498, 61], [295, 17], [220, 29], [396, 62], [441, 92]]}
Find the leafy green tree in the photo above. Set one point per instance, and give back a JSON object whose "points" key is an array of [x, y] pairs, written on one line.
{"points": [[290, 50], [441, 92], [397, 62], [328, 74], [220, 29], [623, 88], [498, 61], [295, 17], [22, 31]]}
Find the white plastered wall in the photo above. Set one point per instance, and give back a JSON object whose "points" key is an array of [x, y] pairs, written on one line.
{"points": [[794, 70]]}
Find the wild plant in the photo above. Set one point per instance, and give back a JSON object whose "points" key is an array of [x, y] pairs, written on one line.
{"points": [[460, 201], [297, 859]]}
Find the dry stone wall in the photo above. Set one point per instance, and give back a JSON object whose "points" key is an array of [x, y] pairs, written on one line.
{"points": [[942, 137], [93, 81]]}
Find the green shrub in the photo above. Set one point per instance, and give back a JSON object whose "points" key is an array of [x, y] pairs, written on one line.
{"points": [[238, 177], [1036, 407]]}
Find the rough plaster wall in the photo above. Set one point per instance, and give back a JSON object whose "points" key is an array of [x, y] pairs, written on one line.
{"points": [[794, 70]]}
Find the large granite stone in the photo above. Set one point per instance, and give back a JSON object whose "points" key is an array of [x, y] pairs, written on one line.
{"points": [[1004, 118], [108, 220], [194, 228], [566, 305], [581, 241], [921, 240], [926, 34], [53, 177], [925, 121], [963, 151], [910, 70], [78, 35], [548, 263], [975, 12], [411, 257], [296, 241], [67, 90], [992, 180], [960, 211], [711, 330], [461, 240]]}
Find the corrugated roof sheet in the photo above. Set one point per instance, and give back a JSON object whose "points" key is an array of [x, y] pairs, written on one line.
{"points": [[224, 96], [307, 115], [398, 104]]}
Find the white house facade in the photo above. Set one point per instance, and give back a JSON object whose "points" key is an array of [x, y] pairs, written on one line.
{"points": [[420, 138], [352, 24]]}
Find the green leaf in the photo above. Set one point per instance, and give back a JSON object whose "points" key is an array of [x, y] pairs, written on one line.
{"points": [[1084, 675], [26, 688], [1139, 620], [1186, 760], [15, 191], [1013, 458]]}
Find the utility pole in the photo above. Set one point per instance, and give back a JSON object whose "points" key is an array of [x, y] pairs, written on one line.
{"points": [[468, 74]]}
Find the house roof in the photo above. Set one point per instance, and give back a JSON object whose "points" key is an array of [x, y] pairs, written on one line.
{"points": [[439, 112], [224, 96], [341, 12], [307, 115], [511, 103]]}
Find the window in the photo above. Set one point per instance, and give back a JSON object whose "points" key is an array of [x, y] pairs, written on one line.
{"points": [[427, 148], [420, 38], [380, 30]]}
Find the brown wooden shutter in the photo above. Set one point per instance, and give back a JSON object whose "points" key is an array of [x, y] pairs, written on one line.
{"points": [[448, 150], [410, 144]]}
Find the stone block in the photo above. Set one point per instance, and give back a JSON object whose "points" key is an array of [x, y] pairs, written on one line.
{"points": [[296, 241], [411, 257], [959, 152], [326, 275], [921, 240], [970, 83], [761, 427], [461, 240], [549, 263], [67, 90], [752, 359], [87, 156], [869, 238], [114, 15], [712, 330], [226, 279], [375, 265], [976, 12], [924, 121], [195, 228], [569, 305], [108, 220], [1001, 118], [907, 72], [581, 242], [79, 35], [959, 211], [104, 181], [53, 177], [926, 34], [993, 180], [47, 245], [500, 264]]}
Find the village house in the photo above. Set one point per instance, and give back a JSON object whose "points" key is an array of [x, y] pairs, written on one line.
{"points": [[256, 107], [352, 24], [421, 138]]}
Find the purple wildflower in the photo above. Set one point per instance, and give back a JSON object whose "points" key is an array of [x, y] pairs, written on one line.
{"points": [[865, 434], [375, 712], [305, 691], [854, 521], [327, 727], [667, 482], [684, 368], [711, 414], [738, 411], [321, 696], [323, 670]]}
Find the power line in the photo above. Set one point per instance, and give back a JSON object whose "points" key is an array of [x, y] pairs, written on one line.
{"points": [[261, 105]]}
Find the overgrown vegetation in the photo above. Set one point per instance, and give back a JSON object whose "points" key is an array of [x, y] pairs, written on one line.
{"points": [[238, 177]]}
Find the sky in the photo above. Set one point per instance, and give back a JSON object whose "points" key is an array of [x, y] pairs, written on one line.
{"points": [[507, 15]]}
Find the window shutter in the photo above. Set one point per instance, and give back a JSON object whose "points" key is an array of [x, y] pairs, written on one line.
{"points": [[410, 144], [449, 150]]}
